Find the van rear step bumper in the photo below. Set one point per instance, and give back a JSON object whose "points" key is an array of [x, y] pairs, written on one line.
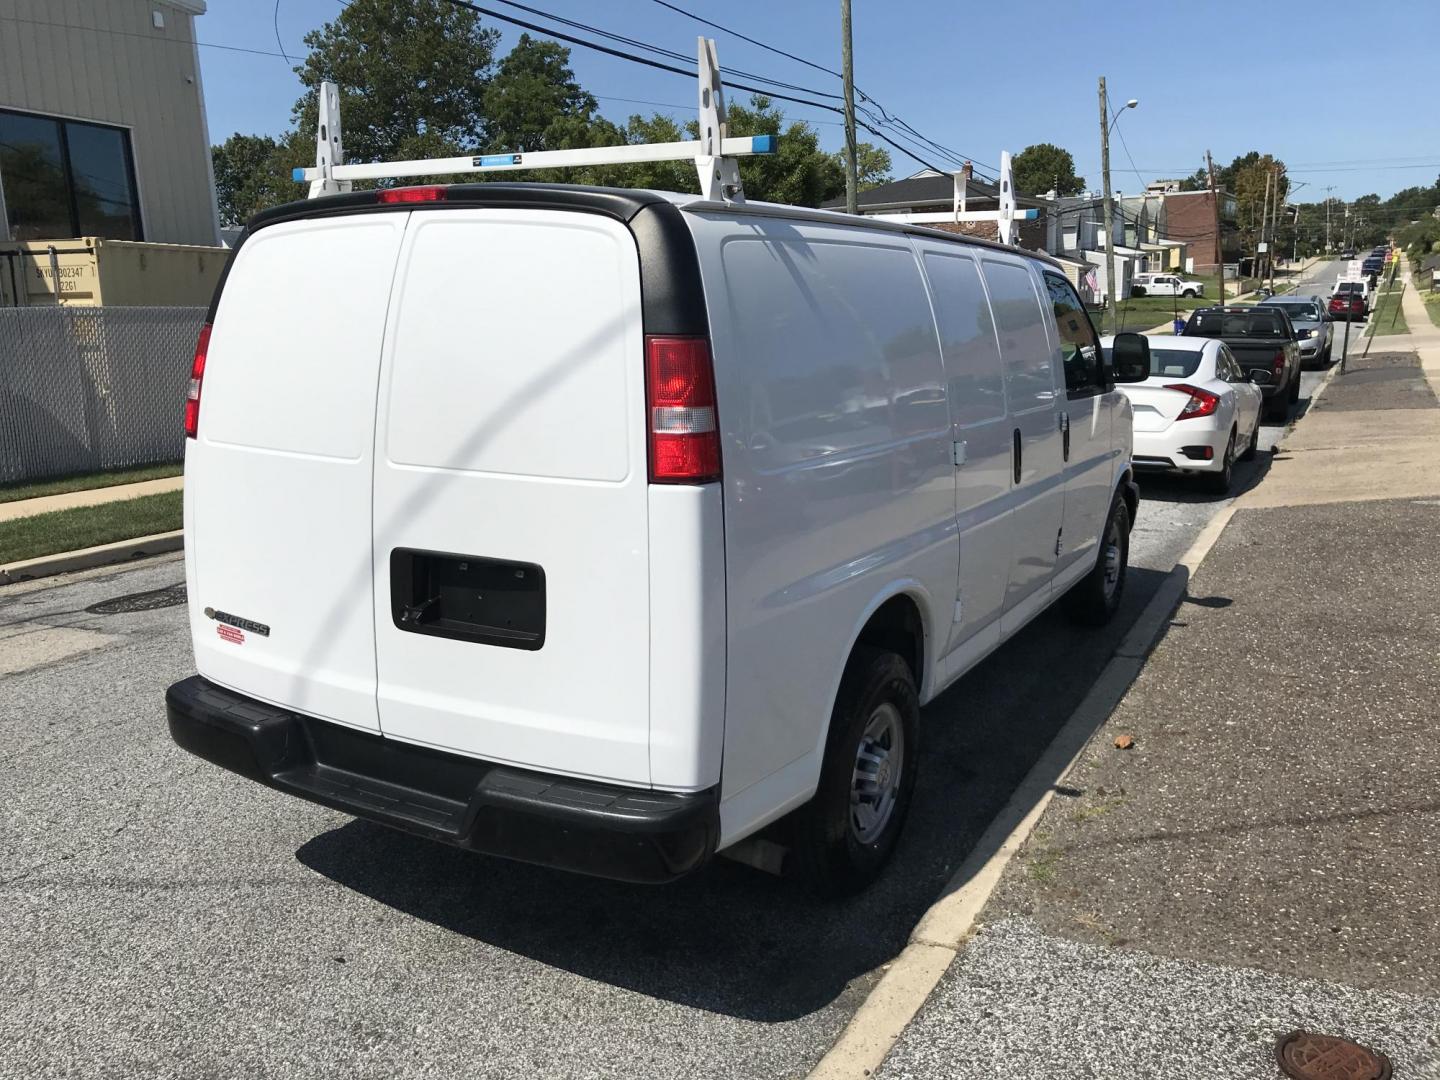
{"points": [[624, 833]]}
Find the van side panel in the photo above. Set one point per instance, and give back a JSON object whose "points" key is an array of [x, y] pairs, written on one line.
{"points": [[838, 481], [975, 377], [277, 486], [511, 428], [1033, 392]]}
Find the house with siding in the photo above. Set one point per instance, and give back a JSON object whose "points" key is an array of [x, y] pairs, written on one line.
{"points": [[102, 122]]}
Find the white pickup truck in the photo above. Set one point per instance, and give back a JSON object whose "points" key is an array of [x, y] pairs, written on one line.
{"points": [[1165, 285]]}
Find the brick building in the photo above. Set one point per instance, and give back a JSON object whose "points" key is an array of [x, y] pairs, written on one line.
{"points": [[1190, 218]]}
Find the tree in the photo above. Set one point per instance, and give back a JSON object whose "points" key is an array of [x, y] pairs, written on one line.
{"points": [[413, 78], [872, 165], [533, 101], [1039, 168], [253, 172]]}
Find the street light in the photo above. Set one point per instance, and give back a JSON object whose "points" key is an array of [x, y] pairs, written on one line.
{"points": [[1106, 124]]}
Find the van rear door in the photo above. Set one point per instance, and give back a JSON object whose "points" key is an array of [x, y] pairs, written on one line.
{"points": [[278, 481], [511, 582]]}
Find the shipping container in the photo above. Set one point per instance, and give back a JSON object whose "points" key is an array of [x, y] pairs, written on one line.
{"points": [[90, 271]]}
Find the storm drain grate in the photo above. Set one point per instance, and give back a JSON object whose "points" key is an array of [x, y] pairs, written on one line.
{"points": [[170, 596], [1304, 1055]]}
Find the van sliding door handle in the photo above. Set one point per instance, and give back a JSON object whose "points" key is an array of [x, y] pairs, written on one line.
{"points": [[1015, 453]]}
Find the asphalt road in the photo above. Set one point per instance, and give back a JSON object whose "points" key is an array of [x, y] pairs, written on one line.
{"points": [[165, 918]]}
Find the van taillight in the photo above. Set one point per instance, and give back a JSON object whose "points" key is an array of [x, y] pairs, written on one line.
{"points": [[197, 376], [680, 392]]}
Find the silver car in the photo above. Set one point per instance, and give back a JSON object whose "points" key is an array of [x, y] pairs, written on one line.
{"points": [[1312, 326]]}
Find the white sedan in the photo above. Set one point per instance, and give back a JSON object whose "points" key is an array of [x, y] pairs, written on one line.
{"points": [[1197, 411]]}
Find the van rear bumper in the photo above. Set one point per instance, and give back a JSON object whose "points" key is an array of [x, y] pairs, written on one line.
{"points": [[624, 833]]}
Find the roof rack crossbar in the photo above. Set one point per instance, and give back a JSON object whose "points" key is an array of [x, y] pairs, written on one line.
{"points": [[713, 153]]}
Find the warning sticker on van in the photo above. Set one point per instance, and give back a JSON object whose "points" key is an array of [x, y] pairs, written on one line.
{"points": [[231, 634]]}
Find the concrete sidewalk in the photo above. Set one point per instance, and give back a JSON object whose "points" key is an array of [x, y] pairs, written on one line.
{"points": [[89, 497], [1263, 859]]}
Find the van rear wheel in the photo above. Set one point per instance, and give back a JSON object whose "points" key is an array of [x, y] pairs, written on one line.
{"points": [[1095, 598], [843, 837]]}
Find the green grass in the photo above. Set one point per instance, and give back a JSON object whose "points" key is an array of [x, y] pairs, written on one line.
{"points": [[1432, 307], [87, 481], [87, 526], [1387, 307], [1142, 312]]}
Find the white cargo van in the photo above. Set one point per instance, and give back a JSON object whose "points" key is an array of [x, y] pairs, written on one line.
{"points": [[602, 528]]}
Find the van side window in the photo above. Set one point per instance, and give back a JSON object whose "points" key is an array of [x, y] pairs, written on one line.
{"points": [[1079, 348], [1029, 369], [967, 339]]}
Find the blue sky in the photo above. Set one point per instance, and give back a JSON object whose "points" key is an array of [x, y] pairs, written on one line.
{"points": [[982, 77]]}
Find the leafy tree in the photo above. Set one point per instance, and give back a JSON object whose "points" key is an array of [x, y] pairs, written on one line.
{"points": [[533, 101], [253, 172], [872, 165], [1043, 166], [413, 78]]}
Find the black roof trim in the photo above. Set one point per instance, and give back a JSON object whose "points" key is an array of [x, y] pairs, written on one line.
{"points": [[619, 203]]}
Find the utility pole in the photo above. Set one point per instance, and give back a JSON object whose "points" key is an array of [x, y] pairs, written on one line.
{"points": [[847, 70], [1328, 248], [1215, 206], [1110, 285], [1256, 271], [1274, 226]]}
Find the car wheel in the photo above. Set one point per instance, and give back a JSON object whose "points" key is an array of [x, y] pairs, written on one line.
{"points": [[1294, 394], [845, 834], [1218, 483], [1253, 446], [1095, 598], [1189, 294]]}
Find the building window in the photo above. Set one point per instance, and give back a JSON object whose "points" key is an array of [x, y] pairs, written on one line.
{"points": [[65, 178]]}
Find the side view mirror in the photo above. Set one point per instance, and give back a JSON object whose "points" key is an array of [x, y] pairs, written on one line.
{"points": [[1130, 358]]}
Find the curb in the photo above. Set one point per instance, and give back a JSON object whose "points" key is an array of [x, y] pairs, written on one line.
{"points": [[103, 555], [949, 922]]}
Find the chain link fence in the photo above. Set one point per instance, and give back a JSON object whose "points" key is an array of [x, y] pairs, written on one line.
{"points": [[84, 389]]}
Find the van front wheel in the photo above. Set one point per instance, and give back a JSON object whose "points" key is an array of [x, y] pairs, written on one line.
{"points": [[1095, 598], [843, 837]]}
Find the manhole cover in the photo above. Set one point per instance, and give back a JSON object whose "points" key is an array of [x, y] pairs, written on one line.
{"points": [[170, 596], [1304, 1055]]}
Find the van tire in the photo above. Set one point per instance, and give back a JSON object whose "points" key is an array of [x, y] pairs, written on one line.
{"points": [[1094, 599], [828, 852]]}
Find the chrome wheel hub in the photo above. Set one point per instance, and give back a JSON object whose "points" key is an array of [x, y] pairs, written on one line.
{"points": [[875, 782]]}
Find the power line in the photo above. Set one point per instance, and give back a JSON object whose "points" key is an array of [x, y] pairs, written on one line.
{"points": [[620, 54], [278, 42], [885, 120], [187, 42]]}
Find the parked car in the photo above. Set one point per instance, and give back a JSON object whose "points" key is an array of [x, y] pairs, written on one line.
{"points": [[1165, 285], [1197, 411], [1351, 289], [1312, 325], [1263, 343], [1346, 307], [1348, 253], [653, 526]]}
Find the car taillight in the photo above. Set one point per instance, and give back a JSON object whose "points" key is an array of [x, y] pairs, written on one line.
{"points": [[680, 393], [423, 193], [197, 376], [1278, 361], [1201, 403]]}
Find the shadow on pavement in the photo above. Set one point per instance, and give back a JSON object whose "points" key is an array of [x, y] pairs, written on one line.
{"points": [[731, 940]]}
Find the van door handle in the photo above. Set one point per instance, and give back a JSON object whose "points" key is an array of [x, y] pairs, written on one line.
{"points": [[1015, 453], [1065, 435]]}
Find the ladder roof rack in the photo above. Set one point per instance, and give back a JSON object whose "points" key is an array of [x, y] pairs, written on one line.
{"points": [[713, 153]]}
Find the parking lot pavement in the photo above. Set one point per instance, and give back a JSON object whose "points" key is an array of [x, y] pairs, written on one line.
{"points": [[166, 918], [1259, 860]]}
